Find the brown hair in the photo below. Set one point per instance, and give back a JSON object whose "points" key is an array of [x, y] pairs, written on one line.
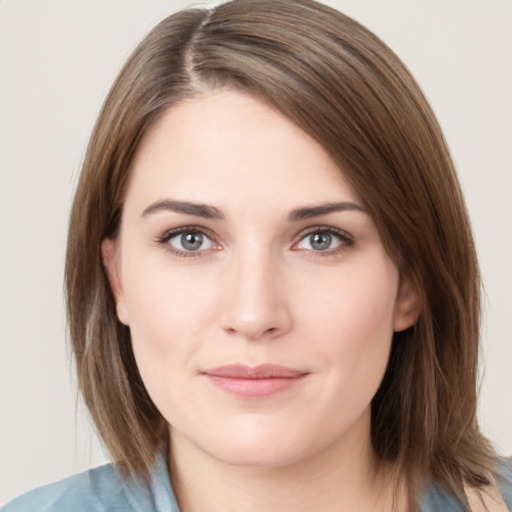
{"points": [[349, 91]]}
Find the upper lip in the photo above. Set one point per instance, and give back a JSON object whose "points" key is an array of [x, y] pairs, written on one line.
{"points": [[263, 371]]}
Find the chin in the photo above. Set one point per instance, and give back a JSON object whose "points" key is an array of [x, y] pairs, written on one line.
{"points": [[264, 446], [247, 444], [269, 456]]}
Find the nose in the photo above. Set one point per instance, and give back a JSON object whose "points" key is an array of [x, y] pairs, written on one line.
{"points": [[256, 303]]}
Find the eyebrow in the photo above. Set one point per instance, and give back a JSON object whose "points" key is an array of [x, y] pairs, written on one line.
{"points": [[323, 209], [211, 212], [199, 210]]}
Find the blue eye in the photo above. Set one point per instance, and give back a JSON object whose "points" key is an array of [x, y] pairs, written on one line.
{"points": [[323, 240], [320, 241], [188, 241]]}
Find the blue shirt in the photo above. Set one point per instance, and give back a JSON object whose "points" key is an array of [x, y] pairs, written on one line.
{"points": [[103, 490]]}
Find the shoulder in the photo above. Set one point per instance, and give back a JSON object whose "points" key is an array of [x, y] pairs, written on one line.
{"points": [[100, 489], [437, 500], [504, 480]]}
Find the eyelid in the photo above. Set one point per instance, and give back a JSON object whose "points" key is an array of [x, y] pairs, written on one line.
{"points": [[347, 240], [171, 233]]}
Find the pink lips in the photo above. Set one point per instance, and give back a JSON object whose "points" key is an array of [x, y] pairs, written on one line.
{"points": [[258, 382]]}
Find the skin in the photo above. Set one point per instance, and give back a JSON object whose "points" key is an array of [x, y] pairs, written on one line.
{"points": [[257, 290]]}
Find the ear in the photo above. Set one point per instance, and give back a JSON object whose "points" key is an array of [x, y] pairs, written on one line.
{"points": [[408, 304], [109, 256]]}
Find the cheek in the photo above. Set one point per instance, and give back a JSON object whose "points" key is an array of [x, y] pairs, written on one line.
{"points": [[164, 300], [168, 316], [353, 321]]}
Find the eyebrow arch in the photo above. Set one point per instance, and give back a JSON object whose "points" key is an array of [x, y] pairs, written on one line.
{"points": [[323, 209], [210, 212], [199, 210]]}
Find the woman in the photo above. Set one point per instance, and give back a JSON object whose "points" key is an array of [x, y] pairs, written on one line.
{"points": [[271, 279]]}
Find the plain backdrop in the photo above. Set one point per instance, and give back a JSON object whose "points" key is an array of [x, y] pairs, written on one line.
{"points": [[57, 60]]}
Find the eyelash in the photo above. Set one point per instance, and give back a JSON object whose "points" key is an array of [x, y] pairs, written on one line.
{"points": [[168, 235], [345, 239]]}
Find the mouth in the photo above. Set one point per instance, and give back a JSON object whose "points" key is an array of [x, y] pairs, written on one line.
{"points": [[254, 382]]}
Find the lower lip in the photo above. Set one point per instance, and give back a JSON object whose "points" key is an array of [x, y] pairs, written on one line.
{"points": [[254, 388]]}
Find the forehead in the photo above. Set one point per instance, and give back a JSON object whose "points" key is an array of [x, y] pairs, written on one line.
{"points": [[230, 147]]}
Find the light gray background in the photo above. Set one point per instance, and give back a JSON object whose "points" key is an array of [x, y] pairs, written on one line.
{"points": [[57, 60]]}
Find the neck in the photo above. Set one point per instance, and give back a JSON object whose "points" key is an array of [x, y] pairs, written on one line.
{"points": [[342, 477]]}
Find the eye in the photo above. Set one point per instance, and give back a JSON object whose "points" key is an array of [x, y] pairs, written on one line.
{"points": [[190, 241], [187, 241], [323, 240]]}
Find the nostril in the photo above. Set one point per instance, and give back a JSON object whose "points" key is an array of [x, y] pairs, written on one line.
{"points": [[250, 333]]}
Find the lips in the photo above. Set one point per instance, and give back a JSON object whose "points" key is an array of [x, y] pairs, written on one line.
{"points": [[258, 382]]}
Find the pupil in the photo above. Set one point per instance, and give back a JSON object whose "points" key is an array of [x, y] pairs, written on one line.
{"points": [[192, 241], [321, 241]]}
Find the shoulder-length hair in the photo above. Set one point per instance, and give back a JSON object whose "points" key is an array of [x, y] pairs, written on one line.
{"points": [[350, 92]]}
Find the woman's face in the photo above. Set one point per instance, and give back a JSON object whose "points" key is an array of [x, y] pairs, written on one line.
{"points": [[260, 299]]}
